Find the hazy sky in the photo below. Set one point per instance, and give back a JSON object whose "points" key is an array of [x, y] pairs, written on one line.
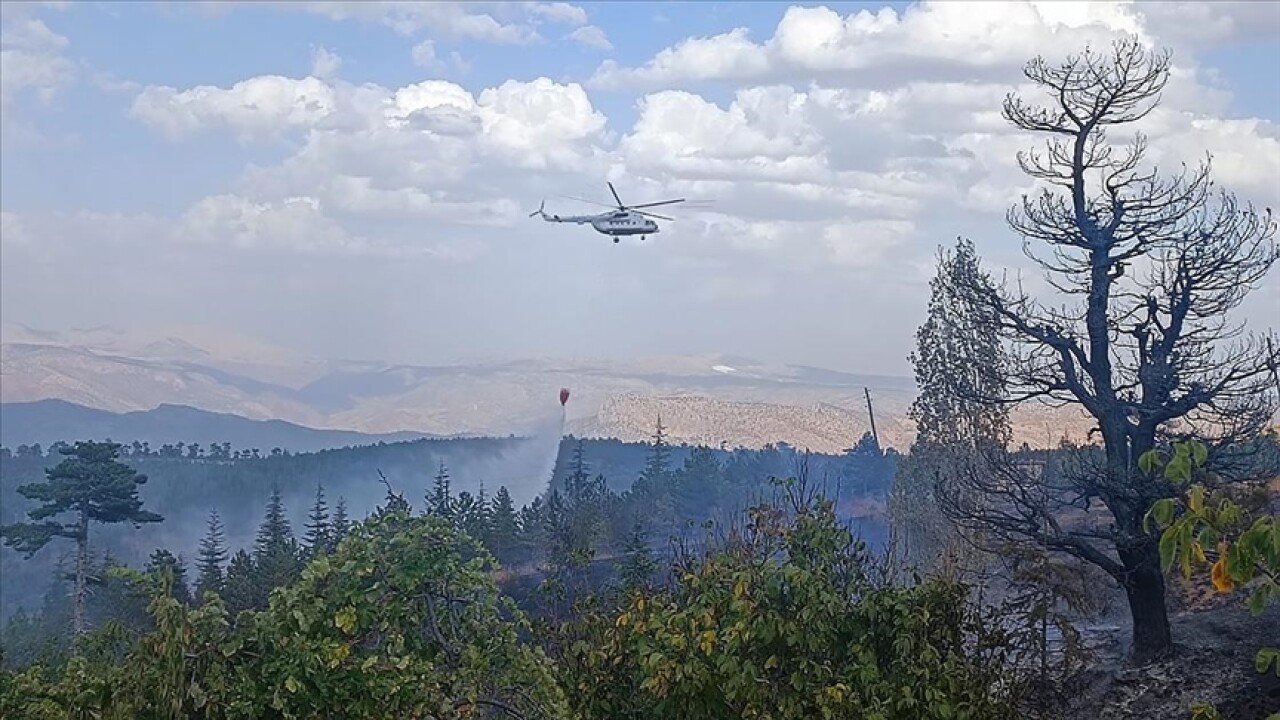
{"points": [[353, 179]]}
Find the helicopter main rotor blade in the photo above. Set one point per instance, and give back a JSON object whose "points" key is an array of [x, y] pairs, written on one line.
{"points": [[652, 215], [655, 204], [615, 195], [589, 202]]}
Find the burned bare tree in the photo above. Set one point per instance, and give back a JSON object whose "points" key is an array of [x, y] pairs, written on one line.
{"points": [[1151, 268]]}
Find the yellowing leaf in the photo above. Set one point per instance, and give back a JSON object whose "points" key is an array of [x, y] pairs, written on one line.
{"points": [[1222, 582], [1198, 552], [345, 620], [708, 641], [1195, 498]]}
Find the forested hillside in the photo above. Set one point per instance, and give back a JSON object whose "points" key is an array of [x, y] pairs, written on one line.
{"points": [[185, 483]]}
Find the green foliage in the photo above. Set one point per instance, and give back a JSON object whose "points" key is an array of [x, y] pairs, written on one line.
{"points": [[781, 621], [402, 621], [1203, 526]]}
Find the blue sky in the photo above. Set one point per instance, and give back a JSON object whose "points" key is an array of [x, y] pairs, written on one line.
{"points": [[201, 227]]}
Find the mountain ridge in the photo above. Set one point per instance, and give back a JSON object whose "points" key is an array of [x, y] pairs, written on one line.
{"points": [[48, 421], [706, 398]]}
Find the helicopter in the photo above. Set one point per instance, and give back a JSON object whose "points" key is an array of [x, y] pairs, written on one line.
{"points": [[623, 221]]}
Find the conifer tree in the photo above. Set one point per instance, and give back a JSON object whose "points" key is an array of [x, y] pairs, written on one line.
{"points": [[240, 590], [503, 526], [318, 526], [162, 562], [276, 553], [339, 525], [439, 500], [657, 467], [653, 489], [88, 485], [638, 565], [212, 557]]}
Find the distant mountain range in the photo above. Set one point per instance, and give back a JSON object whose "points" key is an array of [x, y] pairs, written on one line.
{"points": [[704, 399], [48, 421]]}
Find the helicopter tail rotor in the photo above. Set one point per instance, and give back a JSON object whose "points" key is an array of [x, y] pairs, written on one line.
{"points": [[539, 211]]}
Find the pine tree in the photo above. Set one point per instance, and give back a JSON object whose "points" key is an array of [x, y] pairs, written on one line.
{"points": [[276, 554], [638, 566], [867, 470], [471, 514], [439, 501], [697, 486], [652, 490], [90, 485], [339, 526], [274, 533], [483, 515], [532, 539], [240, 590], [657, 466], [213, 554], [504, 527], [960, 363], [959, 360], [318, 526], [163, 562]]}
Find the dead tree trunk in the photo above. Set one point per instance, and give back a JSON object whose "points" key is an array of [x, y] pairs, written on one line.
{"points": [[1137, 350]]}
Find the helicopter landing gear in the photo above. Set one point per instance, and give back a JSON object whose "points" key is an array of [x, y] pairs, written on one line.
{"points": [[616, 239], [643, 238]]}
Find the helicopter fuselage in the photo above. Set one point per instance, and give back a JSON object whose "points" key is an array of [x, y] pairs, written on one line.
{"points": [[624, 223], [615, 224]]}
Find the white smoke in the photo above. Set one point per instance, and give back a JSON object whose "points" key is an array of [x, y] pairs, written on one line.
{"points": [[526, 469]]}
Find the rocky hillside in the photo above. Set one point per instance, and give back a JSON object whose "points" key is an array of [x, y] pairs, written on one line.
{"points": [[821, 427], [701, 399]]}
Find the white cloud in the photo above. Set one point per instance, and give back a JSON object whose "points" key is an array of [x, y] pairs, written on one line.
{"points": [[538, 123], [424, 55], [931, 40], [731, 56], [794, 166], [266, 104], [296, 223], [592, 37], [561, 12], [325, 64], [227, 222], [534, 123], [31, 58]]}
